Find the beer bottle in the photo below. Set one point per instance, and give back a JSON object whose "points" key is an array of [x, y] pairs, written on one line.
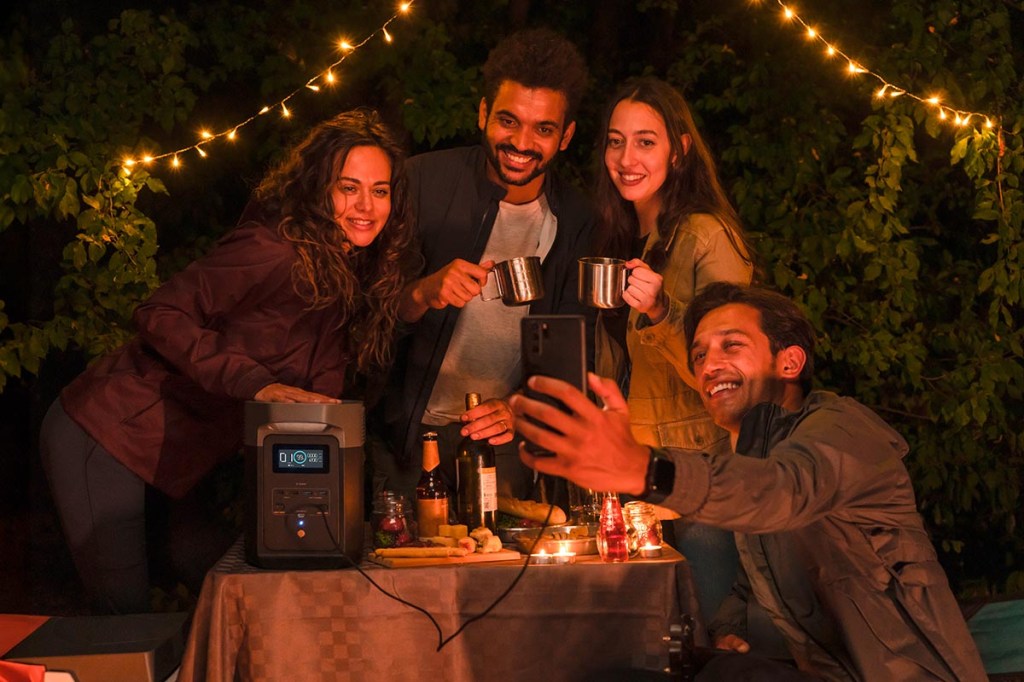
{"points": [[477, 479], [431, 492]]}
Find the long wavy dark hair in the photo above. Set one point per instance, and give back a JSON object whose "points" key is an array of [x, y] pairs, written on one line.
{"points": [[330, 270], [691, 185]]}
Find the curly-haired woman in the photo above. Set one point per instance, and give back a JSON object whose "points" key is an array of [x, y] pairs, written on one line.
{"points": [[304, 288]]}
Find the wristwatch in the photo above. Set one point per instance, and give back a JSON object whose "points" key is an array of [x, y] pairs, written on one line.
{"points": [[661, 478]]}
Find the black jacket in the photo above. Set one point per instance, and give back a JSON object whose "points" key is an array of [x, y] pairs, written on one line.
{"points": [[456, 205]]}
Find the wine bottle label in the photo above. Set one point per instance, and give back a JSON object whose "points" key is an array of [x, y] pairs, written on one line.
{"points": [[489, 489]]}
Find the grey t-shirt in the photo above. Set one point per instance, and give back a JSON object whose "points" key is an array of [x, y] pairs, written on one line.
{"points": [[483, 356]]}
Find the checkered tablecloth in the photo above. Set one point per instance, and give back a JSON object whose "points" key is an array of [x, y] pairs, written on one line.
{"points": [[559, 623]]}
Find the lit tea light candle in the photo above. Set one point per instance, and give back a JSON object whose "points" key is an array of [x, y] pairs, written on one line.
{"points": [[559, 558], [650, 552]]}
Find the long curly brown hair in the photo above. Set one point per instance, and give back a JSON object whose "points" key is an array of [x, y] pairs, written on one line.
{"points": [[330, 270], [691, 186]]}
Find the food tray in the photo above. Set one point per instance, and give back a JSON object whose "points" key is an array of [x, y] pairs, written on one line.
{"points": [[508, 535], [556, 539]]}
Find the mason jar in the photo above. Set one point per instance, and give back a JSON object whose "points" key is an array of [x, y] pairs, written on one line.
{"points": [[643, 528]]}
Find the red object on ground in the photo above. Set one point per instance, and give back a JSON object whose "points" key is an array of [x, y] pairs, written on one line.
{"points": [[21, 672], [15, 627]]}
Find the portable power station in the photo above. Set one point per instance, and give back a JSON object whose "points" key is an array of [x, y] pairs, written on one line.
{"points": [[304, 484]]}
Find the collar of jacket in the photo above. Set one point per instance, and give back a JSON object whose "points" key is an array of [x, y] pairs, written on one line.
{"points": [[765, 424]]}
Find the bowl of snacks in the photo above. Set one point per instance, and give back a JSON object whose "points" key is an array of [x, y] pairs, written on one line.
{"points": [[557, 539]]}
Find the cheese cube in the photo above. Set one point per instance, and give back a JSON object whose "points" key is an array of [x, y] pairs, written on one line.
{"points": [[456, 531]]}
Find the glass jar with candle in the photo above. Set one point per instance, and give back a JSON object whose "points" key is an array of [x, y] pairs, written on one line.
{"points": [[643, 529]]}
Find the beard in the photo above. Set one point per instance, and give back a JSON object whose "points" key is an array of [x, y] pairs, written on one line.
{"points": [[492, 158]]}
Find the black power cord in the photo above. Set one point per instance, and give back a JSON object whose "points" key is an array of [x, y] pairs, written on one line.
{"points": [[441, 639]]}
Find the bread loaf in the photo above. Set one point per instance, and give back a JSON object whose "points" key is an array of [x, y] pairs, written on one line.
{"points": [[533, 511], [414, 552]]}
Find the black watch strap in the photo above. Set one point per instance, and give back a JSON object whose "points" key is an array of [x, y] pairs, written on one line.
{"points": [[661, 477]]}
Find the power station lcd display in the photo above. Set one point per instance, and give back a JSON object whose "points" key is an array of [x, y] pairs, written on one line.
{"points": [[300, 459]]}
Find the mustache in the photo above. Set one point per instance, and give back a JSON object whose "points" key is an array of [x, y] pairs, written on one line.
{"points": [[506, 147]]}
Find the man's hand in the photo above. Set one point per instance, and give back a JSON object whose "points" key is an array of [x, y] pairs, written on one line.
{"points": [[282, 393], [455, 284], [492, 420], [644, 291], [732, 643], [596, 449]]}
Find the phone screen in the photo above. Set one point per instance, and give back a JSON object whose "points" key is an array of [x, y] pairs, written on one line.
{"points": [[554, 346]]}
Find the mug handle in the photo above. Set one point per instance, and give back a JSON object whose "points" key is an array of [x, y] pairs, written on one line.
{"points": [[492, 285]]}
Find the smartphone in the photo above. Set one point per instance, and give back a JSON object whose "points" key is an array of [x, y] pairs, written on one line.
{"points": [[554, 346]]}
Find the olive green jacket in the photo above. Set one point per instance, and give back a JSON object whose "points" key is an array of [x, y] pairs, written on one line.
{"points": [[831, 544]]}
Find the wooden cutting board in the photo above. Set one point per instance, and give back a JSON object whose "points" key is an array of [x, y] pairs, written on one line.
{"points": [[474, 558]]}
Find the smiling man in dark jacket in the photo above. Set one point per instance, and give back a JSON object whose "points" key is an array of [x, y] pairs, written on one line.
{"points": [[826, 524], [477, 206]]}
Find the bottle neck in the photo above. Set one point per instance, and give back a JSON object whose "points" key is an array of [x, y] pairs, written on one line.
{"points": [[431, 455]]}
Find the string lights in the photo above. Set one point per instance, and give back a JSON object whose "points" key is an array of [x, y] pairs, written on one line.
{"points": [[325, 77], [946, 113]]}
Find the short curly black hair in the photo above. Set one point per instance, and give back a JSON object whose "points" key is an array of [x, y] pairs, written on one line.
{"points": [[781, 320], [537, 58]]}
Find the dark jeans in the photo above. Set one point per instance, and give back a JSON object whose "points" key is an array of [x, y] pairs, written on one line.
{"points": [[116, 525], [101, 505]]}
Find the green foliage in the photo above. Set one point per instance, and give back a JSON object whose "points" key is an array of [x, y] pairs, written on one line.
{"points": [[901, 237], [898, 233], [68, 115]]}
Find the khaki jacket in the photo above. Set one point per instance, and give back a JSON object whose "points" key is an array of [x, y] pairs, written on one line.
{"points": [[664, 408]]}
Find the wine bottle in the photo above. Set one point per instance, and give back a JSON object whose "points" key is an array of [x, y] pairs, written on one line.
{"points": [[476, 479], [431, 493]]}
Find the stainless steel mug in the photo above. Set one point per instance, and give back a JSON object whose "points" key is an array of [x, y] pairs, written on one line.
{"points": [[602, 281], [517, 281]]}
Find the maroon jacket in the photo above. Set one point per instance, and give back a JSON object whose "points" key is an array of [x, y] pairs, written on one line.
{"points": [[168, 404]]}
